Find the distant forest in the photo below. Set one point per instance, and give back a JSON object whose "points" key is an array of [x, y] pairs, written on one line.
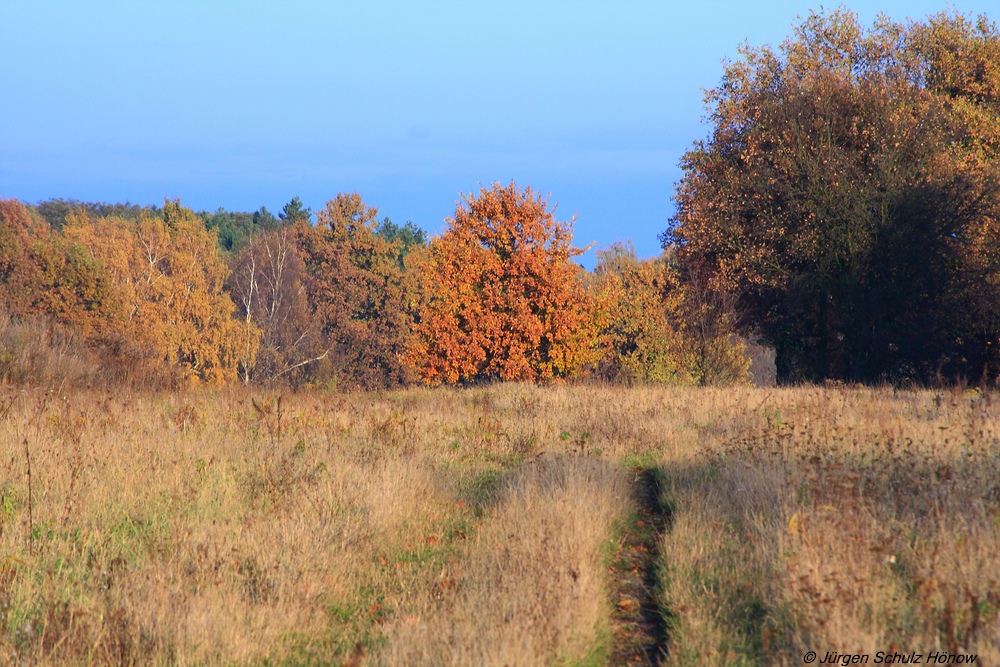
{"points": [[844, 211]]}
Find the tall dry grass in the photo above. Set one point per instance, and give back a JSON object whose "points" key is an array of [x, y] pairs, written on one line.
{"points": [[225, 528], [38, 351], [476, 526], [546, 532], [846, 520]]}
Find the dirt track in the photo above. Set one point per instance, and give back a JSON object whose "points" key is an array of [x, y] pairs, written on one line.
{"points": [[639, 636]]}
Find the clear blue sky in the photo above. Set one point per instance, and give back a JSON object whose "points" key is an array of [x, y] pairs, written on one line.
{"points": [[243, 104]]}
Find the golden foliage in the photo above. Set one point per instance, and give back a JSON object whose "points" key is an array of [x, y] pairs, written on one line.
{"points": [[640, 305], [43, 273], [654, 327], [171, 275]]}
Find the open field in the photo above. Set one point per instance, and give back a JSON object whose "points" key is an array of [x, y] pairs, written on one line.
{"points": [[496, 526]]}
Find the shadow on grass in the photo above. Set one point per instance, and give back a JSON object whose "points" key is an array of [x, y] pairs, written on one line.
{"points": [[640, 635]]}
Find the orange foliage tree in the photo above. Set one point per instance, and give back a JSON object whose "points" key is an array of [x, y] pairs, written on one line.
{"points": [[500, 297], [17, 270], [42, 273], [172, 276], [357, 293]]}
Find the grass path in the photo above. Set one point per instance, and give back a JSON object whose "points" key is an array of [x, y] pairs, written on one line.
{"points": [[640, 633]]}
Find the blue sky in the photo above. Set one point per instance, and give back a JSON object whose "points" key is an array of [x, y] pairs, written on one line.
{"points": [[243, 104]]}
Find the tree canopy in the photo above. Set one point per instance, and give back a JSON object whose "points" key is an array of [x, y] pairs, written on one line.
{"points": [[357, 293], [170, 276], [849, 197], [501, 298]]}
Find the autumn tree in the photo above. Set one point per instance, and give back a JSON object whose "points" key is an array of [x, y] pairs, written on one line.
{"points": [[18, 272], [357, 293], [268, 286], [654, 327], [172, 276], [43, 273], [848, 198], [501, 298], [74, 288], [639, 303]]}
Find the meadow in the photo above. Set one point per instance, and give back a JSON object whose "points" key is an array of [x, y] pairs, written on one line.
{"points": [[500, 525]]}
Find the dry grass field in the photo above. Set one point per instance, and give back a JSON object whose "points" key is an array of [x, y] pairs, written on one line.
{"points": [[496, 526]]}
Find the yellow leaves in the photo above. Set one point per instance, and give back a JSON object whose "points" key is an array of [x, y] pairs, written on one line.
{"points": [[42, 272], [654, 327], [639, 314], [171, 276]]}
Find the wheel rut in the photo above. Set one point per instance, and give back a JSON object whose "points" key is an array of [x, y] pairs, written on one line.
{"points": [[639, 635]]}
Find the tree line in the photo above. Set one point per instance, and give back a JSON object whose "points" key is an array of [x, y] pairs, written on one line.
{"points": [[341, 298], [844, 210]]}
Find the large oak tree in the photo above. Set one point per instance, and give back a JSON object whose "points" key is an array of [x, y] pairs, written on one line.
{"points": [[849, 197], [501, 298]]}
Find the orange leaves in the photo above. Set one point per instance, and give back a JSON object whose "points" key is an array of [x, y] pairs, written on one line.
{"points": [[358, 293], [19, 274], [346, 302], [41, 272], [500, 297]]}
